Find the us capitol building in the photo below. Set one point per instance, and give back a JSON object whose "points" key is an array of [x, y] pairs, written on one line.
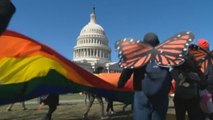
{"points": [[92, 51]]}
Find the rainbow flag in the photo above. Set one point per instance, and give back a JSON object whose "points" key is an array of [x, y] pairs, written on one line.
{"points": [[30, 69]]}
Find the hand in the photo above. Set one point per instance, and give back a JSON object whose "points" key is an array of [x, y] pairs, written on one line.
{"points": [[170, 68], [40, 107]]}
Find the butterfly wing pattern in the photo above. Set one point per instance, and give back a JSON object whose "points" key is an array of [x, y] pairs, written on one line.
{"points": [[172, 51], [134, 53], [203, 57]]}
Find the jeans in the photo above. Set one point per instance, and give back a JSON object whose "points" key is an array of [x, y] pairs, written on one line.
{"points": [[150, 108]]}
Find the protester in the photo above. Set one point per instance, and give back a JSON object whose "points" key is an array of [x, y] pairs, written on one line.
{"points": [[203, 43], [9, 108], [109, 109], [7, 9], [92, 97], [189, 79], [151, 85], [52, 101]]}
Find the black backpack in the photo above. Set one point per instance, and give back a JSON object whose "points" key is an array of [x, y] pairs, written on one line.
{"points": [[187, 85]]}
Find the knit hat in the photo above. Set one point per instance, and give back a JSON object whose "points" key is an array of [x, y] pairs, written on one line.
{"points": [[203, 43], [151, 39]]}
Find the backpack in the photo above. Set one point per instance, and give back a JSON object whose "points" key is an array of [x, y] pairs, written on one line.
{"points": [[187, 77], [186, 86], [157, 80]]}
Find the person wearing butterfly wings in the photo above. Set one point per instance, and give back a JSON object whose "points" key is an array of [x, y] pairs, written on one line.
{"points": [[204, 58], [151, 63], [189, 80]]}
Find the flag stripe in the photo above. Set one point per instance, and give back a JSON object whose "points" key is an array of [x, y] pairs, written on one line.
{"points": [[30, 69]]}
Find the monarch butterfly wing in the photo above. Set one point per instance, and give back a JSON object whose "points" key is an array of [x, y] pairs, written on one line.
{"points": [[133, 53], [207, 63], [198, 52], [172, 51], [200, 56], [203, 57]]}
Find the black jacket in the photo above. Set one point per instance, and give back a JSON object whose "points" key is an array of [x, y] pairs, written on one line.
{"points": [[138, 75], [151, 78], [190, 70], [50, 99]]}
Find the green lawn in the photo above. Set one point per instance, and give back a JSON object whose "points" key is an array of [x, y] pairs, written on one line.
{"points": [[67, 110]]}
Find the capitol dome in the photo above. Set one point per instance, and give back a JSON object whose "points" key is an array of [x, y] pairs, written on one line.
{"points": [[92, 44], [92, 27]]}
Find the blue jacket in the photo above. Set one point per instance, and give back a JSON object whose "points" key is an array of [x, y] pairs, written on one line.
{"points": [[157, 80], [152, 79]]}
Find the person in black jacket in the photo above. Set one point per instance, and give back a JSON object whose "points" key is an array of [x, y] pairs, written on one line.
{"points": [[189, 79], [203, 43], [109, 109], [52, 101], [151, 85], [7, 9]]}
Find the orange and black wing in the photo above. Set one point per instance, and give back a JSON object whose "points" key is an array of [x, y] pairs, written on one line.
{"points": [[212, 55], [172, 51], [203, 57], [133, 53]]}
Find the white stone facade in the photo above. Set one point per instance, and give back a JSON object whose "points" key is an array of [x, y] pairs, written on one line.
{"points": [[92, 46]]}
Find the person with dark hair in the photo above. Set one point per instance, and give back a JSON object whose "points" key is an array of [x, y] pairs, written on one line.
{"points": [[189, 79], [52, 101], [7, 9], [151, 85], [151, 39]]}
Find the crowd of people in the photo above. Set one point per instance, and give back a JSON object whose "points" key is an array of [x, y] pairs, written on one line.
{"points": [[152, 84], [151, 103]]}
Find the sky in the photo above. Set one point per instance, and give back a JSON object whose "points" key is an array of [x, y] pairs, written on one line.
{"points": [[57, 23]]}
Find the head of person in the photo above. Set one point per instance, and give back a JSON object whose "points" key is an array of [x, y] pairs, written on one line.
{"points": [[151, 39], [203, 43]]}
